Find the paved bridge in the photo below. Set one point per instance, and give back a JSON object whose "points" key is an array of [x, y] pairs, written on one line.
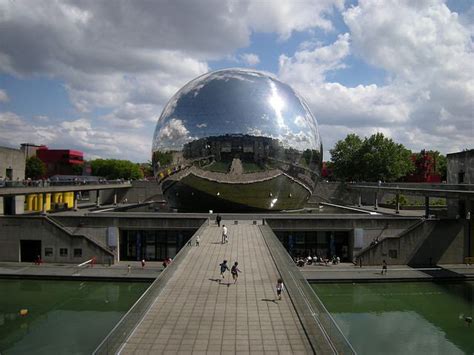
{"points": [[195, 311]]}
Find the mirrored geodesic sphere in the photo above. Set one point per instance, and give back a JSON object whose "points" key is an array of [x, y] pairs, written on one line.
{"points": [[237, 139]]}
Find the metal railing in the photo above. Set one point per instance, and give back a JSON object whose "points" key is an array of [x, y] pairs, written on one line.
{"points": [[118, 336], [323, 333]]}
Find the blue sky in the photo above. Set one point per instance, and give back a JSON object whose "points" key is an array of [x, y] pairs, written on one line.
{"points": [[96, 77]]}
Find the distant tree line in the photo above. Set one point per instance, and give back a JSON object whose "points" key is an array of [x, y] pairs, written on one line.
{"points": [[116, 169], [376, 158]]}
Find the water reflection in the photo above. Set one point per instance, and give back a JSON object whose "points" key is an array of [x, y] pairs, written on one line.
{"points": [[403, 317]]}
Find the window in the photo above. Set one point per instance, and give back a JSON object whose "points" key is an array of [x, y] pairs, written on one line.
{"points": [[461, 177], [77, 252], [62, 251], [48, 252]]}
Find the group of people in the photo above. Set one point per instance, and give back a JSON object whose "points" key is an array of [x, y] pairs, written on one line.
{"points": [[309, 260], [234, 271]]}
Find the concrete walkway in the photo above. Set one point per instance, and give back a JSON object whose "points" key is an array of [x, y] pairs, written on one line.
{"points": [[197, 314], [347, 272], [70, 271]]}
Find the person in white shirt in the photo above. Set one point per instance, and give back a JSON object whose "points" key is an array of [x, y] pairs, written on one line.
{"points": [[224, 234]]}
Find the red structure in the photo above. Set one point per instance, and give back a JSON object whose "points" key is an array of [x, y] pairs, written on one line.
{"points": [[61, 161], [425, 168]]}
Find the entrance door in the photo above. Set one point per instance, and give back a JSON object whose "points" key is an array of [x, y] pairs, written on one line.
{"points": [[30, 249]]}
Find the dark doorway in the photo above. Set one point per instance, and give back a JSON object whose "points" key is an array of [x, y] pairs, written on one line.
{"points": [[8, 206], [30, 249]]}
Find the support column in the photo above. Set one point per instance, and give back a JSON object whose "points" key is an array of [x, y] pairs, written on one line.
{"points": [[427, 206], [46, 202], [29, 202], [360, 200], [376, 202], [115, 198], [97, 201], [39, 203], [397, 204], [75, 201]]}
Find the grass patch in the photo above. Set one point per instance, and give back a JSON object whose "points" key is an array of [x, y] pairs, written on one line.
{"points": [[218, 167], [251, 168]]}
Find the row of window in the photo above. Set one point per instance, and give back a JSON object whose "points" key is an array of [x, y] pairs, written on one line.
{"points": [[64, 252]]}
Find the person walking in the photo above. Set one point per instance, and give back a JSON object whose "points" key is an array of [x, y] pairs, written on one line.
{"points": [[279, 288], [218, 220], [143, 263], [198, 240], [384, 268], [224, 234], [235, 271], [224, 268]]}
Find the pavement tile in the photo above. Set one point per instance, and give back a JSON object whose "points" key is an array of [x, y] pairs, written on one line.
{"points": [[196, 314]]}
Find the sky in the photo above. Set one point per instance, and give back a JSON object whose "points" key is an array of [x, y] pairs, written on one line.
{"points": [[95, 75]]}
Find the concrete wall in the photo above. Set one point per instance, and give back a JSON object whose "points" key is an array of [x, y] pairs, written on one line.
{"points": [[142, 191], [460, 162], [12, 159], [429, 242], [372, 227], [14, 229]]}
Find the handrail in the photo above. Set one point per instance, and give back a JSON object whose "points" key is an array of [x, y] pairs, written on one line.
{"points": [[60, 226], [399, 235], [323, 332], [117, 337]]}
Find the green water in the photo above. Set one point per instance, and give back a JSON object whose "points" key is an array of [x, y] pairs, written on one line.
{"points": [[403, 318], [64, 317]]}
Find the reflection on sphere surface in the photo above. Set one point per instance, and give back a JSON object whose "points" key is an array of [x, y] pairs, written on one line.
{"points": [[236, 140]]}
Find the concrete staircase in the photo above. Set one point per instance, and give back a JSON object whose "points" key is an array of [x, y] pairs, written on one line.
{"points": [[426, 242]]}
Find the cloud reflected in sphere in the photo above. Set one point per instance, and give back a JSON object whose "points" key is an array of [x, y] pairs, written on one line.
{"points": [[237, 140]]}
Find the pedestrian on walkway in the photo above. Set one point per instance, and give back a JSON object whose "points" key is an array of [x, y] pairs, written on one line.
{"points": [[224, 234], [235, 271], [218, 220], [129, 268], [198, 239], [224, 268], [279, 288], [384, 267], [143, 263]]}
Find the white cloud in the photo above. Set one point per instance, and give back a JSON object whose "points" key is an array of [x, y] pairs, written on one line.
{"points": [[250, 59], [81, 134], [3, 96], [427, 53]]}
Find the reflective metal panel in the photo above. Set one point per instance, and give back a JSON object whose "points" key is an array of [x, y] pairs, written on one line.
{"points": [[237, 128]]}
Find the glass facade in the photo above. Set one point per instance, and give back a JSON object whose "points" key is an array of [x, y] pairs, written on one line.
{"points": [[152, 245], [316, 243]]}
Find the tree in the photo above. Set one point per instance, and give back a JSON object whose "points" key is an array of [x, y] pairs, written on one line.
{"points": [[147, 169], [372, 159], [116, 169], [345, 160], [383, 159], [35, 168]]}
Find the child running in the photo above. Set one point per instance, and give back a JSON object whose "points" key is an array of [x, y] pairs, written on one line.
{"points": [[235, 271], [224, 268], [279, 288]]}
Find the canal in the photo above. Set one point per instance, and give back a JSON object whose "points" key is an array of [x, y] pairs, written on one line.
{"points": [[61, 317]]}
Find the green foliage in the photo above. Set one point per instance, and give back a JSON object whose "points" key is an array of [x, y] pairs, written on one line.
{"points": [[77, 169], [146, 169], [373, 159], [116, 169], [35, 168], [345, 158], [162, 158]]}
